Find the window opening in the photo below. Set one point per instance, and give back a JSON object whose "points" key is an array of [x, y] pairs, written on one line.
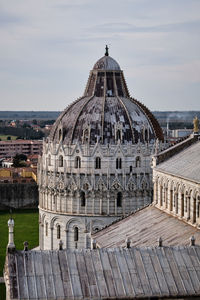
{"points": [[77, 162], [119, 199], [98, 163], [58, 232], [138, 162], [82, 196], [46, 228], [118, 163], [60, 161], [75, 234], [118, 135]]}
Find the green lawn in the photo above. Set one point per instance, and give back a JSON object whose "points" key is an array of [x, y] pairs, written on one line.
{"points": [[2, 291], [4, 137], [26, 229]]}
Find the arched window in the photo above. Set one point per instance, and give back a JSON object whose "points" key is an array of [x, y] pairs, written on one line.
{"points": [[119, 199], [60, 161], [58, 232], [82, 196], [118, 135], [75, 234], [146, 135], [46, 229], [64, 134], [49, 160], [98, 163], [198, 210], [118, 163], [77, 162], [86, 136], [60, 134], [138, 162]]}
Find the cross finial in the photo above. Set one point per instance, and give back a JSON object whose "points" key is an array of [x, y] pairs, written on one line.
{"points": [[106, 53]]}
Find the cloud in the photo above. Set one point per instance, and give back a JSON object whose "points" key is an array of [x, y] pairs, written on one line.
{"points": [[193, 26], [48, 47]]}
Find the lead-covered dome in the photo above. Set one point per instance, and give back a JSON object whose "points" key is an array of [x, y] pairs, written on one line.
{"points": [[106, 63], [106, 113]]}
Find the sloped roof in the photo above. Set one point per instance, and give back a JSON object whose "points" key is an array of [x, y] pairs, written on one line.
{"points": [[144, 229], [185, 164], [153, 272]]}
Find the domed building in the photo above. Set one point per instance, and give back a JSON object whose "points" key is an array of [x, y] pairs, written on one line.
{"points": [[96, 162]]}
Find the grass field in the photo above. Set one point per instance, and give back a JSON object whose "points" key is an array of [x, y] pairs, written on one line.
{"points": [[4, 137], [2, 291], [26, 229]]}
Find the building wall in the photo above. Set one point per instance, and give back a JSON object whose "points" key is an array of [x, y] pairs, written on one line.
{"points": [[177, 196], [109, 191], [18, 195], [48, 229]]}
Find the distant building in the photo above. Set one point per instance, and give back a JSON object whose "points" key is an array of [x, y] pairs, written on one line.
{"points": [[7, 163], [18, 188], [179, 133], [13, 147]]}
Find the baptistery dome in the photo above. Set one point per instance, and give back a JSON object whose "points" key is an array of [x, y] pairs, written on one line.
{"points": [[106, 112], [96, 162]]}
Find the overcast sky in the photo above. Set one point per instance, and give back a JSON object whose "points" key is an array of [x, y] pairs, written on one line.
{"points": [[48, 47]]}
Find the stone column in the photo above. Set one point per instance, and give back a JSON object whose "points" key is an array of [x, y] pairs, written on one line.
{"points": [[108, 203], [194, 210], [100, 205], [155, 192], [51, 237]]}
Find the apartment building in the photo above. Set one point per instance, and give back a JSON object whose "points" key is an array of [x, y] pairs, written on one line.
{"points": [[27, 147]]}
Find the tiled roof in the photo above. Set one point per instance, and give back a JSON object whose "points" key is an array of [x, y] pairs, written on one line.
{"points": [[185, 164], [150, 272], [144, 229]]}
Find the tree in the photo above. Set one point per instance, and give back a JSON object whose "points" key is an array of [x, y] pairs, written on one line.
{"points": [[19, 160], [34, 121]]}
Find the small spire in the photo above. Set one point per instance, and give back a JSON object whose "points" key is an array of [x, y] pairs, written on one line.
{"points": [[192, 241], [93, 244], [160, 242], [25, 246], [11, 245], [196, 125], [60, 245], [106, 53], [128, 243]]}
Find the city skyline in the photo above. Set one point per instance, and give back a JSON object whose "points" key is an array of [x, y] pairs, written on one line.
{"points": [[48, 48]]}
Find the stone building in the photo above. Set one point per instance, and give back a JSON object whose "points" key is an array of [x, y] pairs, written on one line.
{"points": [[176, 178], [96, 161], [174, 215]]}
